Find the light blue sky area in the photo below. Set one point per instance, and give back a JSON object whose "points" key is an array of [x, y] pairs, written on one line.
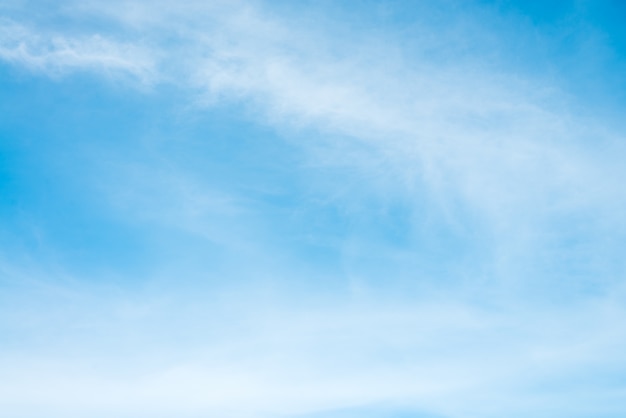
{"points": [[329, 209]]}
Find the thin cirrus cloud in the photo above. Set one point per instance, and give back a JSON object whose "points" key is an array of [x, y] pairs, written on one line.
{"points": [[56, 54], [410, 221]]}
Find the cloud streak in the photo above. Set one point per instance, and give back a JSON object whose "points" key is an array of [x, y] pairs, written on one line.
{"points": [[57, 54]]}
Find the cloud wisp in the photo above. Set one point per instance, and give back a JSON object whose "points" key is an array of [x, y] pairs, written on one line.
{"points": [[56, 54]]}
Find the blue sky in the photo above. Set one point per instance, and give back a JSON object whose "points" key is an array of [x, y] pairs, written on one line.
{"points": [[335, 209]]}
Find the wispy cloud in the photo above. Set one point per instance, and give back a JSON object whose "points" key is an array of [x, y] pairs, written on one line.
{"points": [[486, 146], [56, 54]]}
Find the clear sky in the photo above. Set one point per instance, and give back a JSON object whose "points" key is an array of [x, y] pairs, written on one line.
{"points": [[312, 209]]}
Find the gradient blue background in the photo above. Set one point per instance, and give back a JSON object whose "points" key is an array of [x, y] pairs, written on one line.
{"points": [[312, 209]]}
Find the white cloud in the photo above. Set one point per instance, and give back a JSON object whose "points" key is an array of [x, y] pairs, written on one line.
{"points": [[56, 54], [495, 149]]}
